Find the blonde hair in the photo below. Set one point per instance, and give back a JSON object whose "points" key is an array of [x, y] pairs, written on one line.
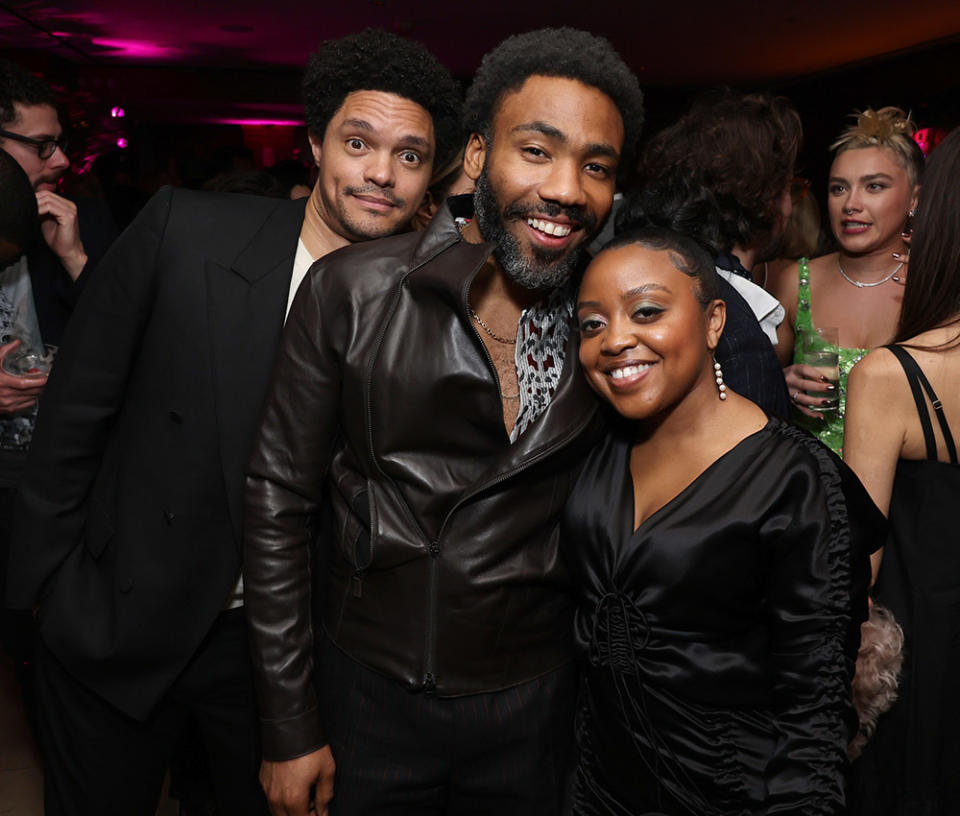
{"points": [[888, 127]]}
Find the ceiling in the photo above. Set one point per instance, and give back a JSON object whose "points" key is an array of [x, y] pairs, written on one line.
{"points": [[666, 43], [238, 61]]}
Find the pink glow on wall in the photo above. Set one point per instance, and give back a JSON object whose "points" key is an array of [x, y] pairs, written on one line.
{"points": [[121, 142], [259, 122], [138, 49]]}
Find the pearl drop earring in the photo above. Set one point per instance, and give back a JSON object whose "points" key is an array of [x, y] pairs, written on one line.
{"points": [[721, 388]]}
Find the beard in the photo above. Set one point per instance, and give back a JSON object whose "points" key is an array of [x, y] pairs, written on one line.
{"points": [[544, 269]]}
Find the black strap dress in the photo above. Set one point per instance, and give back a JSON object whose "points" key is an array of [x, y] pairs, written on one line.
{"points": [[911, 766], [718, 639]]}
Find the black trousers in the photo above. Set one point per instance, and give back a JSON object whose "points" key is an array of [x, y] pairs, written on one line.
{"points": [[100, 761], [505, 752]]}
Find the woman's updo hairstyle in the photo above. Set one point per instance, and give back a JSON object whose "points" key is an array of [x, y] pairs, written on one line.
{"points": [[890, 128]]}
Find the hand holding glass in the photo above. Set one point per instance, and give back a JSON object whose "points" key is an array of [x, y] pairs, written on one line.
{"points": [[820, 349]]}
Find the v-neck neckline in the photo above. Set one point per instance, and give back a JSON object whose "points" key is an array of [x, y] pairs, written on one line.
{"points": [[631, 489]]}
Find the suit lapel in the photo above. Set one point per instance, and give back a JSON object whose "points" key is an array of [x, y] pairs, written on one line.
{"points": [[246, 303]]}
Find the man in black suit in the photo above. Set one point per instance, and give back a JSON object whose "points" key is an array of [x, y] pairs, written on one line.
{"points": [[128, 530]]}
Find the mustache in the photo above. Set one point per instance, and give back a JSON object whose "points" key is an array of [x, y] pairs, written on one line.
{"points": [[379, 192], [577, 215]]}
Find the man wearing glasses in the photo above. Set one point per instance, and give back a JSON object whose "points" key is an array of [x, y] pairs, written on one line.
{"points": [[38, 290]]}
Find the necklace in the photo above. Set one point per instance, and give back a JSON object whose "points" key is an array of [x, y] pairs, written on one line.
{"points": [[492, 333], [862, 285]]}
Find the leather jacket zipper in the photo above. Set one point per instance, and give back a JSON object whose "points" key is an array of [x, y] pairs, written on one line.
{"points": [[430, 656], [433, 546]]}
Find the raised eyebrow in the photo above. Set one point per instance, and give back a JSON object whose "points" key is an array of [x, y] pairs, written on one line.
{"points": [[874, 176], [410, 140], [541, 127], [359, 124]]}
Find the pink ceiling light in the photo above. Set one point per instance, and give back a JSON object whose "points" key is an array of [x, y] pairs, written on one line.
{"points": [[138, 49]]}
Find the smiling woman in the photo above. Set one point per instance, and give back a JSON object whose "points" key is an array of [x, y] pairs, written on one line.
{"points": [[720, 562]]}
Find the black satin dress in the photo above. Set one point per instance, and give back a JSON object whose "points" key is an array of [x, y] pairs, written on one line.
{"points": [[719, 638]]}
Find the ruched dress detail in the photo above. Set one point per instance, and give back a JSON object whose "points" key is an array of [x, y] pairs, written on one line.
{"points": [[718, 639]]}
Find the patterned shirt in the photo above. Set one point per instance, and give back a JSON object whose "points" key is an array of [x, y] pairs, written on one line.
{"points": [[541, 347], [18, 318]]}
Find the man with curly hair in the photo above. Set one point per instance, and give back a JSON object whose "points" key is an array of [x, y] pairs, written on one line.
{"points": [[427, 388], [130, 513], [721, 174]]}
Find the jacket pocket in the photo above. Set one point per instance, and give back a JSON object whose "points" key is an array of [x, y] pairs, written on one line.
{"points": [[355, 539]]}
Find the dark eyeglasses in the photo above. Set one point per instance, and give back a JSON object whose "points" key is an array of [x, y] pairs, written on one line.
{"points": [[45, 147]]}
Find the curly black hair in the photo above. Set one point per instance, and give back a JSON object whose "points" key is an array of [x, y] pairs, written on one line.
{"points": [[18, 85], [556, 52], [719, 173], [376, 60]]}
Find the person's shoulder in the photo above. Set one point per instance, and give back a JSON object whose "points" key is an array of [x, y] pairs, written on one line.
{"points": [[792, 446], [780, 270], [783, 280], [227, 205], [827, 480], [878, 369], [366, 264]]}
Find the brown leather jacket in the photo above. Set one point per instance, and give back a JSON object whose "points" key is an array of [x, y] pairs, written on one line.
{"points": [[443, 571]]}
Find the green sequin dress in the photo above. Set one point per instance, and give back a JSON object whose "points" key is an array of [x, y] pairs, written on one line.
{"points": [[830, 429]]}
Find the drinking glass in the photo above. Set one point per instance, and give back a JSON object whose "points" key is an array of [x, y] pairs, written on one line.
{"points": [[29, 362], [820, 348]]}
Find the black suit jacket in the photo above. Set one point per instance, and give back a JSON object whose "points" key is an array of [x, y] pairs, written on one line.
{"points": [[750, 365], [127, 527], [55, 293]]}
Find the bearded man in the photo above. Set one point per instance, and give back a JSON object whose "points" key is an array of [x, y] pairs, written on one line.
{"points": [[430, 382]]}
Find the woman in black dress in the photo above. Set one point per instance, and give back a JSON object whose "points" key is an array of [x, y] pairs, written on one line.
{"points": [[720, 559], [901, 438]]}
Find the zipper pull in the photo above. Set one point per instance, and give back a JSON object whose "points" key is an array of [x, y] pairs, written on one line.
{"points": [[429, 683], [434, 549], [358, 584]]}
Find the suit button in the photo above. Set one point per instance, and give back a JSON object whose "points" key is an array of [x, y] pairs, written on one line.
{"points": [[126, 585], [177, 417], [168, 516]]}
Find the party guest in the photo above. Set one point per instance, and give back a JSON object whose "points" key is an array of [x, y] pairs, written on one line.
{"points": [[720, 558], [430, 383], [129, 526]]}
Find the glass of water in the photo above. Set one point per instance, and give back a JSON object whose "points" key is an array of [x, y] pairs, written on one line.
{"points": [[821, 350]]}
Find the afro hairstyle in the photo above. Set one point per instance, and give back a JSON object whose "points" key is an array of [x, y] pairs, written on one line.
{"points": [[18, 85], [556, 52], [376, 60]]}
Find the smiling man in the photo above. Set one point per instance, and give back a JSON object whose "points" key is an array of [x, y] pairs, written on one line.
{"points": [[426, 386], [130, 513]]}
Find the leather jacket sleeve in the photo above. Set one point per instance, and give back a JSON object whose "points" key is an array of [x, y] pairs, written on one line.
{"points": [[288, 463]]}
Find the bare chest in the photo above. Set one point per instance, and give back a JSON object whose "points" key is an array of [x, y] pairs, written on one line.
{"points": [[866, 317], [502, 355]]}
